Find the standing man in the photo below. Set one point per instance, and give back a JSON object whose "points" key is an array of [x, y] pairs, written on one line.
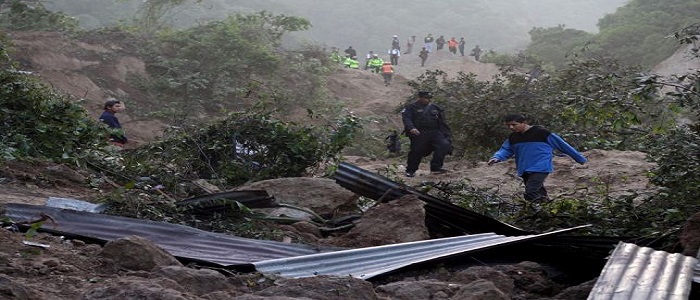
{"points": [[395, 43], [116, 133], [394, 55], [423, 56], [476, 52], [409, 44], [532, 148], [350, 51], [452, 45], [424, 124], [440, 42], [462, 43], [428, 42]]}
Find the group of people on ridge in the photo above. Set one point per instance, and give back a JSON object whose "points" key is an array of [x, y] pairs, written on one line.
{"points": [[377, 65]]}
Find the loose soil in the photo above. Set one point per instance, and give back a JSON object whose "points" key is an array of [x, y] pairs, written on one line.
{"points": [[88, 70]]}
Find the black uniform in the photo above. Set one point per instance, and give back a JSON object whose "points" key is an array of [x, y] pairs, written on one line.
{"points": [[434, 137]]}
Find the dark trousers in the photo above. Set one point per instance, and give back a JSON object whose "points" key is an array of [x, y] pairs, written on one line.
{"points": [[429, 141], [387, 78], [534, 187]]}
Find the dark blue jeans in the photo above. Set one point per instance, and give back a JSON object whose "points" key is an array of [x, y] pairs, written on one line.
{"points": [[534, 187]]}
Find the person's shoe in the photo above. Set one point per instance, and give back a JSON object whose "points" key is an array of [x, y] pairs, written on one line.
{"points": [[410, 174], [439, 171]]}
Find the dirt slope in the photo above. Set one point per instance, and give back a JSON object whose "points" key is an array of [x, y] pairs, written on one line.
{"points": [[92, 71]]}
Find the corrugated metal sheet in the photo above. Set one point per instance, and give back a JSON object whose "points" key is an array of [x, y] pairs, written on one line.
{"points": [[180, 241], [634, 272], [223, 200], [368, 262], [447, 218]]}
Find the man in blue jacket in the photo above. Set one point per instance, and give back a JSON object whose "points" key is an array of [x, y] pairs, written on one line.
{"points": [[532, 147]]}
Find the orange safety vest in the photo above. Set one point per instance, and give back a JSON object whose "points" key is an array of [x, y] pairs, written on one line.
{"points": [[387, 69], [452, 44]]}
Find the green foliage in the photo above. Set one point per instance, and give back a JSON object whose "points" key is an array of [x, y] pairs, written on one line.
{"points": [[38, 122], [636, 34], [591, 103], [21, 17], [557, 45], [677, 156], [221, 65], [242, 147], [151, 15]]}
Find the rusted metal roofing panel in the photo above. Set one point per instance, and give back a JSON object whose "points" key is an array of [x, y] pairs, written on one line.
{"points": [[634, 272], [365, 263], [180, 241], [447, 216]]}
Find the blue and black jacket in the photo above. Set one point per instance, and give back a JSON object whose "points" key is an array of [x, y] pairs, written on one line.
{"points": [[533, 150]]}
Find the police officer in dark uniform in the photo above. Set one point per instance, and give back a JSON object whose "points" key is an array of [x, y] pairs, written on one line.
{"points": [[424, 123]]}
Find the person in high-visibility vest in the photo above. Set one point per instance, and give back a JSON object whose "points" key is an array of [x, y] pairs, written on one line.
{"points": [[335, 56], [352, 63], [387, 72], [375, 64]]}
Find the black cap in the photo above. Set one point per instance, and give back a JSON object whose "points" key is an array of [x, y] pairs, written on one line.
{"points": [[425, 94]]}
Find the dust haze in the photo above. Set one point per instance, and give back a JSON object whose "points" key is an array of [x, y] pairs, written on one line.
{"points": [[369, 25]]}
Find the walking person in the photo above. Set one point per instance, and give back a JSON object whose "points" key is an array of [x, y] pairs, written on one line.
{"points": [[476, 52], [375, 64], [423, 56], [368, 57], [409, 44], [117, 136], [461, 45], [387, 72], [452, 45], [395, 43], [428, 42], [532, 147], [424, 124], [440, 42]]}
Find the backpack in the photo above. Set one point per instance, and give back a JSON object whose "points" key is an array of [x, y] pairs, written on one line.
{"points": [[393, 142]]}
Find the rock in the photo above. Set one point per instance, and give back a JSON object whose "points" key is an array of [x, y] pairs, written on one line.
{"points": [[64, 172], [136, 253], [13, 290], [198, 282], [336, 288], [321, 195], [577, 292], [398, 221], [530, 277], [421, 289], [498, 278], [480, 289], [134, 289]]}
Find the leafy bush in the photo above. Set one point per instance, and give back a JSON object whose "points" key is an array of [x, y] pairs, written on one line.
{"points": [[22, 17], [242, 147], [636, 34], [591, 103], [35, 121], [220, 65]]}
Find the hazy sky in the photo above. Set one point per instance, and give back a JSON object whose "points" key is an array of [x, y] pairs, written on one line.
{"points": [[501, 25]]}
